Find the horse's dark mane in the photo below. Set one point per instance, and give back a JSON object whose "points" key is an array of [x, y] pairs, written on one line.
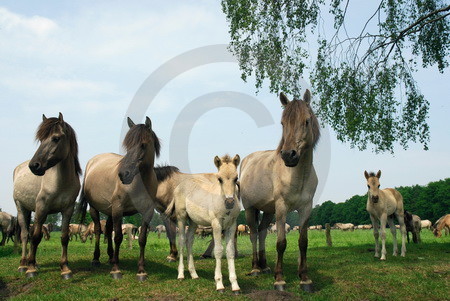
{"points": [[226, 159], [50, 126], [298, 109], [372, 174], [140, 133], [164, 172]]}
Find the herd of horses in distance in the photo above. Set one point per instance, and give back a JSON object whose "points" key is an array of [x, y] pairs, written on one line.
{"points": [[274, 182]]}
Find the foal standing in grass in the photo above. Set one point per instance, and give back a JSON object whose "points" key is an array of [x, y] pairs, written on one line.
{"points": [[209, 199], [382, 205]]}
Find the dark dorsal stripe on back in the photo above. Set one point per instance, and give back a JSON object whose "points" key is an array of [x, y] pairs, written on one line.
{"points": [[50, 126], [139, 134], [164, 172]]}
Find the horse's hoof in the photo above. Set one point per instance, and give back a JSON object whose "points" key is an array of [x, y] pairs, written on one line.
{"points": [[31, 274], [205, 257], [66, 276], [180, 279], [236, 293], [116, 275], [22, 269], [141, 277], [279, 287], [267, 271], [171, 259], [307, 287], [254, 273], [95, 263], [222, 290]]}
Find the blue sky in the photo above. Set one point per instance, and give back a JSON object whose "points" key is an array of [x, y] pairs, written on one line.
{"points": [[88, 61]]}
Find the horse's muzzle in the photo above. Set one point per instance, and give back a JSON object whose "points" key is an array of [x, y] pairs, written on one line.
{"points": [[125, 177], [290, 157], [375, 199], [229, 203], [36, 168]]}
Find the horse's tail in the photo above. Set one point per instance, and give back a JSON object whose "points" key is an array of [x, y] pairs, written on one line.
{"points": [[82, 206], [170, 211]]}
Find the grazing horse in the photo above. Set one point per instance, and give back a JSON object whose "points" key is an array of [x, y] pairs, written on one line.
{"points": [[242, 229], [7, 226], [442, 223], [45, 231], [413, 225], [208, 200], [382, 205], [121, 186], [90, 231], [425, 224], [48, 183], [76, 230], [344, 227], [160, 229], [280, 181]]}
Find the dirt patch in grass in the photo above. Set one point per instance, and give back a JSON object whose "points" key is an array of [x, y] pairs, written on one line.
{"points": [[272, 296]]}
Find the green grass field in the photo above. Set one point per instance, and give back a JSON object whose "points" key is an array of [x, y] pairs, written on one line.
{"points": [[346, 271]]}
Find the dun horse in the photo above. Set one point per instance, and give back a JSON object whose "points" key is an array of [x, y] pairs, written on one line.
{"points": [[442, 223], [280, 181], [208, 200], [120, 186], [48, 183], [382, 205], [7, 227]]}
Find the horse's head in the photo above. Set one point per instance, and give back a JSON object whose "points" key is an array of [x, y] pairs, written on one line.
{"points": [[300, 129], [141, 145], [437, 232], [57, 142], [373, 185], [227, 176]]}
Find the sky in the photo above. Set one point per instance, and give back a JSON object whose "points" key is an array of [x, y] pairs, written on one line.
{"points": [[98, 63]]}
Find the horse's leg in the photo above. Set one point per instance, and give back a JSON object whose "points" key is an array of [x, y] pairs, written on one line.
{"points": [[189, 243], [108, 236], [230, 237], [209, 249], [218, 252], [181, 244], [401, 221], [36, 238], [66, 273], [95, 215], [281, 244], [262, 234], [171, 233], [391, 223], [117, 215], [23, 217], [146, 218], [383, 220], [376, 227], [305, 283], [251, 215]]}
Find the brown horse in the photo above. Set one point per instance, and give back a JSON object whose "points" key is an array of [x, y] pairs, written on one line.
{"points": [[121, 186], [383, 205], [442, 223], [7, 226], [48, 183], [280, 181]]}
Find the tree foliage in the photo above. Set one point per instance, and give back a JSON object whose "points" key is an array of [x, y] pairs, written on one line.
{"points": [[428, 202], [365, 83]]}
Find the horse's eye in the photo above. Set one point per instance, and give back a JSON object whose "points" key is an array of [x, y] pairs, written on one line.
{"points": [[235, 180], [220, 180], [368, 186], [378, 186], [56, 139], [307, 122]]}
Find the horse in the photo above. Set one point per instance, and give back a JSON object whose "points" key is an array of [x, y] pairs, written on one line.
{"points": [[76, 230], [130, 230], [345, 227], [90, 231], [48, 183], [160, 229], [209, 199], [425, 224], [7, 226], [442, 223], [413, 225], [280, 181], [121, 186], [242, 229], [45, 232], [382, 205]]}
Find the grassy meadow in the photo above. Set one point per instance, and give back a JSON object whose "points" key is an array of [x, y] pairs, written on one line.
{"points": [[346, 271]]}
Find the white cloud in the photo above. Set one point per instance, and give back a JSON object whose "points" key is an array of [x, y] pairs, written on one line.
{"points": [[37, 25]]}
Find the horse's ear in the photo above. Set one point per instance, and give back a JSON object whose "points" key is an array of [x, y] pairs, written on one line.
{"points": [[217, 162], [378, 174], [148, 122], [130, 122], [284, 100], [60, 117], [236, 160], [307, 96], [43, 117], [366, 174]]}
